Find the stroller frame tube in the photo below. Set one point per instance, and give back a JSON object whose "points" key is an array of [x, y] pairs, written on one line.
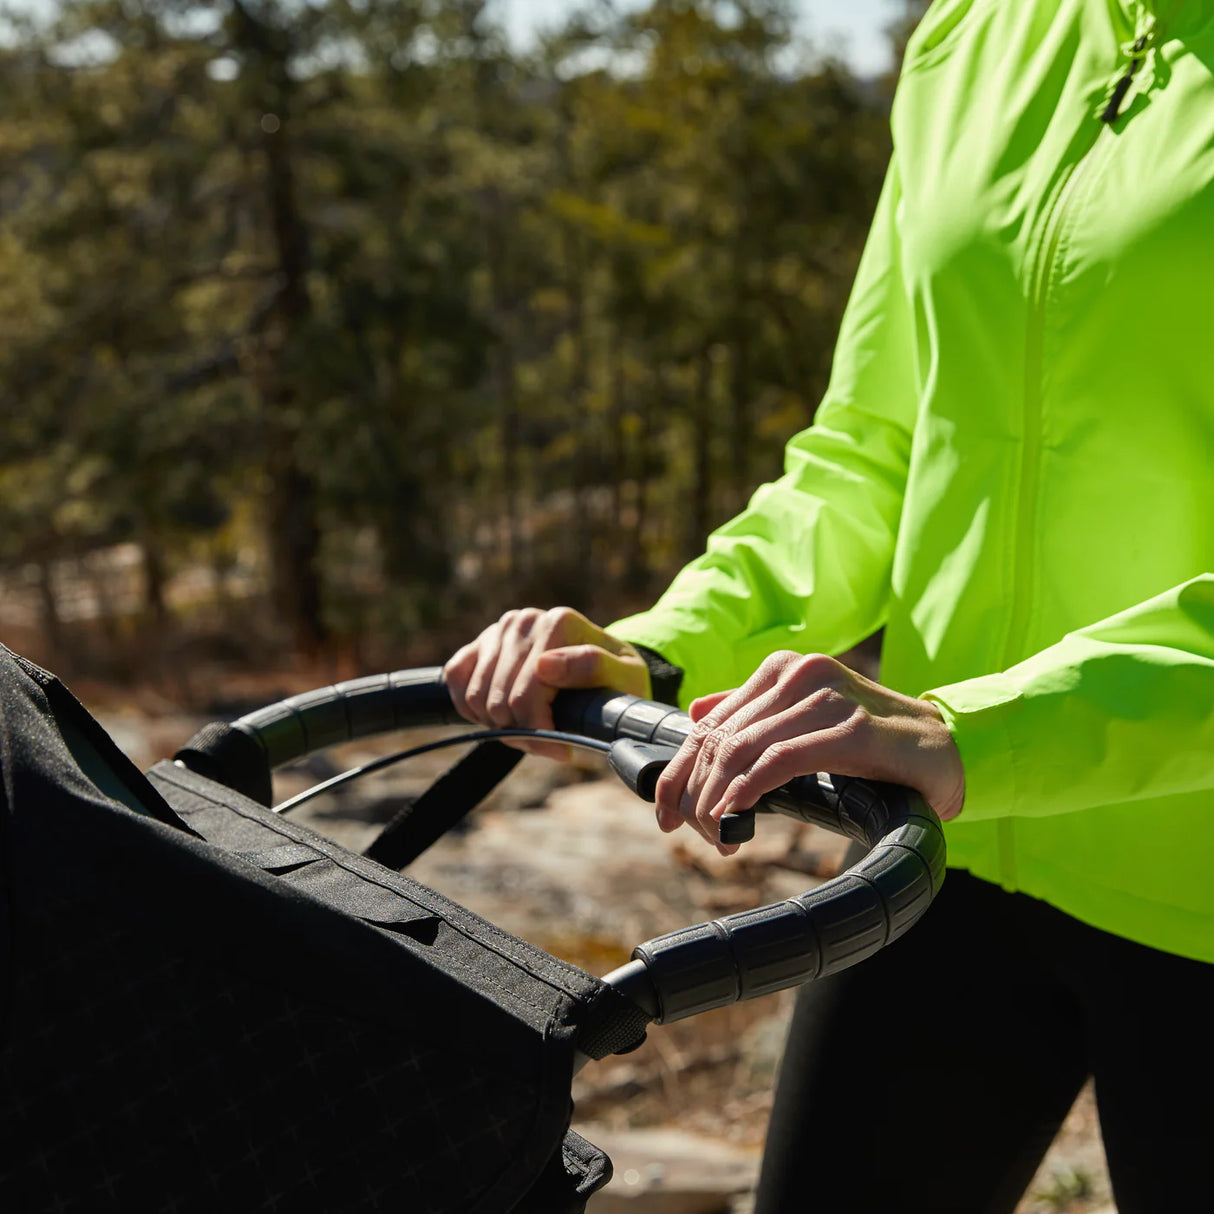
{"points": [[682, 973]]}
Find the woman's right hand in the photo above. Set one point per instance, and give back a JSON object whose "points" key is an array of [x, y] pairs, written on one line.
{"points": [[510, 674]]}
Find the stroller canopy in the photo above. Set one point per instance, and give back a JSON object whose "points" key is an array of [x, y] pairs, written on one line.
{"points": [[207, 1006]]}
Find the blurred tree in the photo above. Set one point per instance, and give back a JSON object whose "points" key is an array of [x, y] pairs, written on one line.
{"points": [[459, 325], [899, 31], [723, 198]]}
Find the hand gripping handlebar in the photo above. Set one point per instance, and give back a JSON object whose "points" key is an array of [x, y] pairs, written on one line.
{"points": [[697, 968]]}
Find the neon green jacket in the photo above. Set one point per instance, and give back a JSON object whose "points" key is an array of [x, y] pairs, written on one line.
{"points": [[1013, 468]]}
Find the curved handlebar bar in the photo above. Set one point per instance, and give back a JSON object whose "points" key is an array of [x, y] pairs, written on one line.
{"points": [[697, 968]]}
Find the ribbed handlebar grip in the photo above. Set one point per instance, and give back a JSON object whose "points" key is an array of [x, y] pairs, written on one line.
{"points": [[359, 708], [701, 967], [821, 932], [818, 933]]}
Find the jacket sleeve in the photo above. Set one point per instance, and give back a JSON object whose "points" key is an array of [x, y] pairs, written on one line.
{"points": [[1122, 710], [806, 566]]}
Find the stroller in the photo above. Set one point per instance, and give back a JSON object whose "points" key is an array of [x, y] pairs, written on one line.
{"points": [[207, 1006]]}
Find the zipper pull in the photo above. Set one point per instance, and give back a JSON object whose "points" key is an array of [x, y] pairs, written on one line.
{"points": [[1112, 111]]}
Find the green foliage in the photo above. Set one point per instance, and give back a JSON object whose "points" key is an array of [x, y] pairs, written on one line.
{"points": [[459, 325]]}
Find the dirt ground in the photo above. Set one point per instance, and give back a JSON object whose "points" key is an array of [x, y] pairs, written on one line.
{"points": [[566, 858]]}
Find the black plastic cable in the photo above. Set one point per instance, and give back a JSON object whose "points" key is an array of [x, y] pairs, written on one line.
{"points": [[484, 735]]}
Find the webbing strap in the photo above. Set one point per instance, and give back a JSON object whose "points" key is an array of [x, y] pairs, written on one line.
{"points": [[451, 797], [230, 757]]}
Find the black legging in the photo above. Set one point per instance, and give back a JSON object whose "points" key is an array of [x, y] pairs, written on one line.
{"points": [[934, 1076]]}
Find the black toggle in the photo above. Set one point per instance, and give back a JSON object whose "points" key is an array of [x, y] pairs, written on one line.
{"points": [[639, 764]]}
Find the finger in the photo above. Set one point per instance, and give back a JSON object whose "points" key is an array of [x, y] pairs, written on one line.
{"points": [[668, 795], [488, 651], [456, 674], [836, 749], [668, 792], [703, 705], [672, 805], [769, 708], [742, 751], [588, 665], [515, 647], [575, 662], [530, 698], [759, 698]]}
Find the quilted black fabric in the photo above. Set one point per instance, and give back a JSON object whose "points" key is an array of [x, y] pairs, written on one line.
{"points": [[206, 1008]]}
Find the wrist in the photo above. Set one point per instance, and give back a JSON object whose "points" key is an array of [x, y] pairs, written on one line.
{"points": [[946, 791]]}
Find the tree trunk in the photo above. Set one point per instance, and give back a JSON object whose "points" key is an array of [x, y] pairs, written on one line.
{"points": [[741, 421], [154, 578], [637, 568], [582, 556], [699, 510], [50, 621], [294, 555], [504, 373], [292, 515]]}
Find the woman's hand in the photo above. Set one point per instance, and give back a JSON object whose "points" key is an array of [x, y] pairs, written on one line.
{"points": [[799, 714], [509, 675]]}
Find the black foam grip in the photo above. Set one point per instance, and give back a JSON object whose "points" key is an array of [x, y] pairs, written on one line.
{"points": [[360, 708], [818, 933]]}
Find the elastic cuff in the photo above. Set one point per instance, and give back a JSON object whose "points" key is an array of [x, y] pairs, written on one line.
{"points": [[665, 677], [979, 714]]}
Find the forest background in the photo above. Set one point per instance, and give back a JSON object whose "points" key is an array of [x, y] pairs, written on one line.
{"points": [[329, 329]]}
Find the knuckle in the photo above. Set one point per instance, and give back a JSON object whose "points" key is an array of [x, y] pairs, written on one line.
{"points": [[777, 661], [813, 668], [732, 749], [856, 727], [737, 794], [823, 699], [457, 662], [549, 626], [527, 618], [780, 756], [715, 741]]}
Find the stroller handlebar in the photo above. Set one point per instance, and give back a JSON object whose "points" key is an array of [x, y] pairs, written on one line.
{"points": [[685, 972]]}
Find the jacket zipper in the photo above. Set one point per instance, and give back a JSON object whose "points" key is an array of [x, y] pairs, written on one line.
{"points": [[1027, 505], [1112, 111]]}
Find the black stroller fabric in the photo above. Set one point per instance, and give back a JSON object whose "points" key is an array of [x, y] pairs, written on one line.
{"points": [[205, 1007]]}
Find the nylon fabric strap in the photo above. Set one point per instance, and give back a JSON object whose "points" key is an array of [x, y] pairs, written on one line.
{"points": [[450, 798], [230, 757], [665, 678], [614, 1025]]}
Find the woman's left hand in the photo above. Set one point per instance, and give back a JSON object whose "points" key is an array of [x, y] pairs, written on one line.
{"points": [[799, 714]]}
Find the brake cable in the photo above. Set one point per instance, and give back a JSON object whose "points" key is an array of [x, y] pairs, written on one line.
{"points": [[483, 735]]}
